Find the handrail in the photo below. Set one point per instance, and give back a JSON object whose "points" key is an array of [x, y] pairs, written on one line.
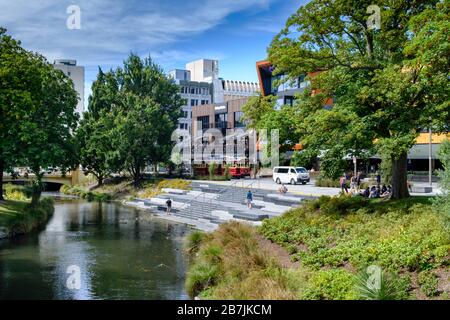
{"points": [[229, 187], [204, 193]]}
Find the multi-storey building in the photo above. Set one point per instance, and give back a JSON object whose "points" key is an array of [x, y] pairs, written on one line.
{"points": [[194, 92], [76, 73], [200, 85]]}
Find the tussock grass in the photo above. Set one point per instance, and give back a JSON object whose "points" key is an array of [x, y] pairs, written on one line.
{"points": [[230, 265]]}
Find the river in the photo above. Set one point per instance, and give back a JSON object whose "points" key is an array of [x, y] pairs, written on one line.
{"points": [[91, 250]]}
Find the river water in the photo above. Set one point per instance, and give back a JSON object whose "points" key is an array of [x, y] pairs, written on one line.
{"points": [[91, 250]]}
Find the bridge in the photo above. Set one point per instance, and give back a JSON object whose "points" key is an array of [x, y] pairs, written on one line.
{"points": [[71, 178]]}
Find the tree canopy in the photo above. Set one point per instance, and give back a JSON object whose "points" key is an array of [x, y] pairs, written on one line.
{"points": [[132, 113], [387, 85], [38, 115]]}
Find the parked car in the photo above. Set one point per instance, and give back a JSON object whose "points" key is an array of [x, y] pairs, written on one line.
{"points": [[291, 175]]}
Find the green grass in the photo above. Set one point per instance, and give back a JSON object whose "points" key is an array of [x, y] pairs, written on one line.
{"points": [[19, 217]]}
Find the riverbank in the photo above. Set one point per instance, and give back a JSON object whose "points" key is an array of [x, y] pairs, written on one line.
{"points": [[322, 250], [124, 189], [19, 217]]}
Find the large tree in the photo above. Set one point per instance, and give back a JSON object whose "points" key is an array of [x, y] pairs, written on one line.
{"points": [[387, 84], [38, 115], [132, 113]]}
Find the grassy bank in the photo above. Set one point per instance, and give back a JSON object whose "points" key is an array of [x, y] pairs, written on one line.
{"points": [[328, 244], [124, 189], [17, 216]]}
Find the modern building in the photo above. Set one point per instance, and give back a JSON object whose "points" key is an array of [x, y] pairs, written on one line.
{"points": [[234, 147], [76, 73], [200, 85], [194, 92]]}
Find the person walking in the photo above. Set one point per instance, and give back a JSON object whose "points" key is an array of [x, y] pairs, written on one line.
{"points": [[169, 206], [378, 178], [249, 199], [358, 180], [343, 183]]}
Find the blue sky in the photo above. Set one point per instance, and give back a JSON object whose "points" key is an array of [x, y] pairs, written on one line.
{"points": [[173, 32]]}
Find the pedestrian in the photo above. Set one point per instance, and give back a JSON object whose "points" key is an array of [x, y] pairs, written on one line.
{"points": [[343, 183], [358, 180], [169, 206], [378, 178], [249, 199], [353, 184]]}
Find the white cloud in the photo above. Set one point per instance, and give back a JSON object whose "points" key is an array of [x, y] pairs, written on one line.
{"points": [[110, 29]]}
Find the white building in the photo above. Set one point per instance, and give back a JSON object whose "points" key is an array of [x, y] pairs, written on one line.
{"points": [[200, 85], [76, 73], [194, 92]]}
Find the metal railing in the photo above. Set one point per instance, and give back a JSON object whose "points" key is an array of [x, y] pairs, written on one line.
{"points": [[207, 203]]}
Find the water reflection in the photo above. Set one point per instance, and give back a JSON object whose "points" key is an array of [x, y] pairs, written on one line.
{"points": [[122, 254]]}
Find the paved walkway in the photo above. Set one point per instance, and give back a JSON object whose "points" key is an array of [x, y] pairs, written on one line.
{"points": [[309, 189]]}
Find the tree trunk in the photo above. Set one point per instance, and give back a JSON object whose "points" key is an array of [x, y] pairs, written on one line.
{"points": [[2, 167], [400, 177], [37, 189], [99, 180]]}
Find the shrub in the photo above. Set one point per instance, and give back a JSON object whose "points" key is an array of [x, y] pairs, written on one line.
{"points": [[428, 282], [340, 205], [334, 284]]}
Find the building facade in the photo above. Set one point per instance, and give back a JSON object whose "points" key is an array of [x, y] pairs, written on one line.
{"points": [[200, 85], [76, 73]]}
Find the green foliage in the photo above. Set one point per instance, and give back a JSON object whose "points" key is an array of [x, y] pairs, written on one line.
{"points": [[255, 108], [304, 158], [212, 169], [442, 204], [393, 235], [20, 217], [331, 285], [326, 182], [86, 194], [200, 277], [333, 164], [132, 114], [429, 282], [193, 241], [37, 108], [386, 84], [154, 190], [340, 205]]}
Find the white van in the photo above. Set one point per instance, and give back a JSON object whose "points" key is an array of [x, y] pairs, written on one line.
{"points": [[290, 175]]}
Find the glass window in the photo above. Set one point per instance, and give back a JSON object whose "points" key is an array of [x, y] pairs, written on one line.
{"points": [[238, 121]]}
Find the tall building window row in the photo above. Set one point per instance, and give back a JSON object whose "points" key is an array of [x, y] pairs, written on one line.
{"points": [[194, 90]]}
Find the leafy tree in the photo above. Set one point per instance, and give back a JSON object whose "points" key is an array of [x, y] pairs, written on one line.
{"points": [[256, 107], [132, 113], [387, 84], [140, 131], [38, 113], [304, 158], [96, 151]]}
